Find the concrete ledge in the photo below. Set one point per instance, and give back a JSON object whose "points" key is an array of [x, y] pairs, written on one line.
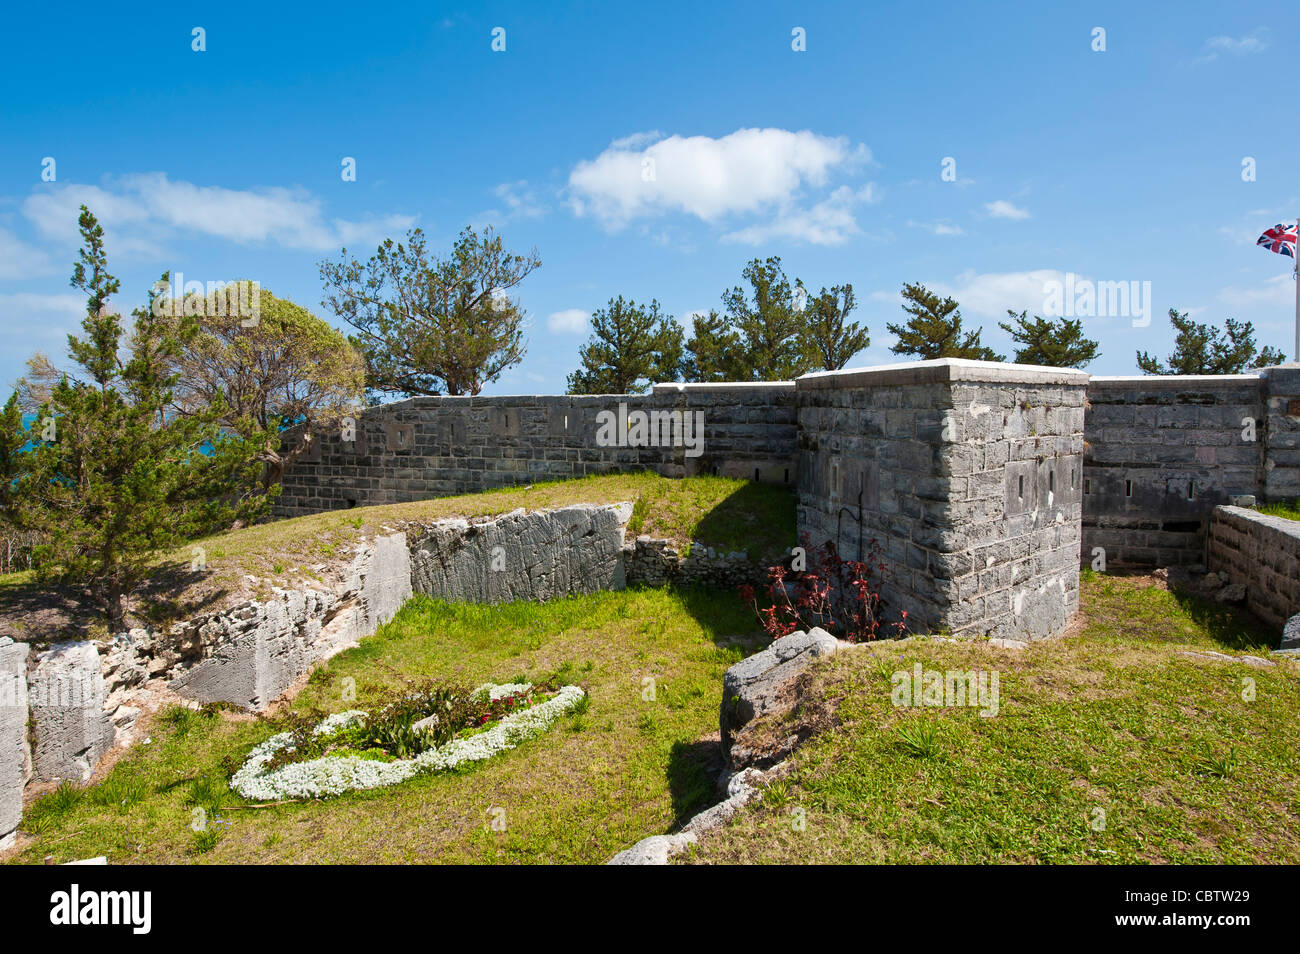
{"points": [[1262, 554], [1240, 515], [1166, 382], [671, 387], [943, 371]]}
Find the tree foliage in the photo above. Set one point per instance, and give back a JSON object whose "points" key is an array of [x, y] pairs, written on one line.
{"points": [[934, 329], [772, 331], [1205, 349], [631, 347], [105, 478], [1053, 344], [760, 335], [829, 337], [431, 325], [286, 367]]}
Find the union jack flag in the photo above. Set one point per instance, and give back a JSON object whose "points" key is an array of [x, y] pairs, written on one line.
{"points": [[1280, 238]]}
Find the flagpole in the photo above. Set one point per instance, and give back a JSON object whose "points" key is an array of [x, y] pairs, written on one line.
{"points": [[1296, 259]]}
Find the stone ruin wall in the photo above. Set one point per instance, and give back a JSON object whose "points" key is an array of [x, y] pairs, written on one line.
{"points": [[439, 446], [967, 474], [985, 485]]}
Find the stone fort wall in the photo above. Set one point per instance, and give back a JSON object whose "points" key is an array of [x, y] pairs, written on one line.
{"points": [[438, 446], [1149, 458]]}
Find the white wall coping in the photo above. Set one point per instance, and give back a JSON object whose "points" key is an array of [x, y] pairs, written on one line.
{"points": [[944, 370], [1177, 380]]}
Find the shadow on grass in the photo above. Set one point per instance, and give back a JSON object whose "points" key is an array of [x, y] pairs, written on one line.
{"points": [[757, 518], [693, 769], [1229, 626], [725, 618], [41, 613]]}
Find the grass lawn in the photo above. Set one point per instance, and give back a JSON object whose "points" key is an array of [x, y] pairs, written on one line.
{"points": [[1110, 746], [720, 511], [592, 785], [737, 514], [1289, 510]]}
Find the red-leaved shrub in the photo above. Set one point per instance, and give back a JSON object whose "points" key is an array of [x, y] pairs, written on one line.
{"points": [[841, 596]]}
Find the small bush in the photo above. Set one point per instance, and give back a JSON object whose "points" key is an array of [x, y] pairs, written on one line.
{"points": [[841, 596]]}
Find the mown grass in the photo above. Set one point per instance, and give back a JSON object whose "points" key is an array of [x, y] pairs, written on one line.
{"points": [[599, 780], [736, 514], [722, 512], [1289, 510], [1109, 747]]}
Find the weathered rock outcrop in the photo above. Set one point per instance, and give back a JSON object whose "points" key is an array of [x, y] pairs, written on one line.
{"points": [[66, 696], [252, 654], [753, 686], [15, 756], [522, 556]]}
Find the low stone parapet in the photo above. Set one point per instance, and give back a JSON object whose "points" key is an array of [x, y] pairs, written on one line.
{"points": [[1262, 553]]}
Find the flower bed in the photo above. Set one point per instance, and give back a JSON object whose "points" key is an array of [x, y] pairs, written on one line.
{"points": [[267, 776]]}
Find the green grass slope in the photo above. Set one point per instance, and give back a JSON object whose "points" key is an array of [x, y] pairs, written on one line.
{"points": [[1110, 746]]}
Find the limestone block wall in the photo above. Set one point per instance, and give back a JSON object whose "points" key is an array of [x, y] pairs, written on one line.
{"points": [[252, 653], [1281, 478], [15, 755], [1263, 553], [968, 476], [652, 562], [1162, 453], [66, 697], [438, 446], [522, 556]]}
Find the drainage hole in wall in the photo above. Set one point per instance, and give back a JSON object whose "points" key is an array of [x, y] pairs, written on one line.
{"points": [[1128, 488]]}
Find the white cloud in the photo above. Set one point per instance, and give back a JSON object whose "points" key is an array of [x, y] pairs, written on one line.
{"points": [[829, 222], [520, 200], [570, 321], [1002, 209], [143, 211], [20, 260], [937, 228], [1256, 41], [990, 294], [746, 171], [636, 140], [1278, 290], [35, 322]]}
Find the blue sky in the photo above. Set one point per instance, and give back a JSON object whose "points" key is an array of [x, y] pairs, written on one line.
{"points": [[1117, 165]]}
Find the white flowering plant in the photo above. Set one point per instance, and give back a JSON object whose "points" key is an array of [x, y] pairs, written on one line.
{"points": [[443, 729]]}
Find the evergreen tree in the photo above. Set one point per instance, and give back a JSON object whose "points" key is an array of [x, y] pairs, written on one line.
{"points": [[432, 325], [714, 351], [288, 367], [631, 347], [1204, 349], [934, 329], [829, 339], [105, 477], [760, 336], [1053, 344]]}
